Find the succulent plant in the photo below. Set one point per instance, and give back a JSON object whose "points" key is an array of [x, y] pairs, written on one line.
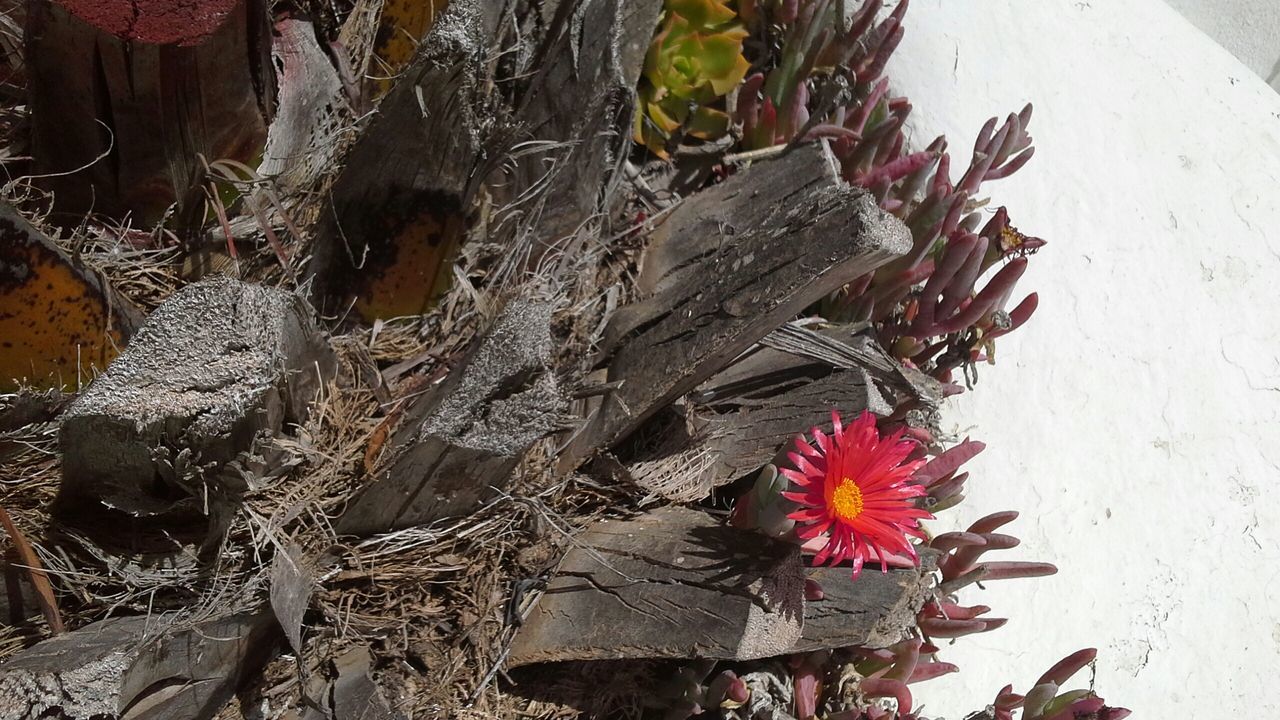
{"points": [[1046, 700], [696, 687], [763, 507], [931, 308], [695, 60], [942, 478], [944, 617]]}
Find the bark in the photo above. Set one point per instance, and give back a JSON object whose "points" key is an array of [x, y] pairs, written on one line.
{"points": [[746, 415], [463, 439], [355, 695], [217, 368], [676, 583], [873, 611], [149, 90], [136, 667], [579, 108], [402, 203], [673, 583], [727, 267]]}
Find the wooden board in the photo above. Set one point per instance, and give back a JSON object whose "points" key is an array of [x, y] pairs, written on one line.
{"points": [[464, 437], [729, 266]]}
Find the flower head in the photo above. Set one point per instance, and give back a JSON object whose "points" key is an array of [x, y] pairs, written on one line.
{"points": [[854, 489]]}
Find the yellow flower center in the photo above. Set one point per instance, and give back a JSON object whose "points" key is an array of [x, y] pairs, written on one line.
{"points": [[846, 501]]}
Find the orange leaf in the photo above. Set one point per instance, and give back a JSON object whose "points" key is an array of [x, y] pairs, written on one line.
{"points": [[57, 320], [402, 25]]}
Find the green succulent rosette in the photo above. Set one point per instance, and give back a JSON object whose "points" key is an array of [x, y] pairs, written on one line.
{"points": [[694, 60]]}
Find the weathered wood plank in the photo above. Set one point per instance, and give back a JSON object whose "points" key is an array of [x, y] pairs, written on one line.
{"points": [[727, 267], [145, 667], [875, 610], [673, 583], [219, 365], [465, 437]]}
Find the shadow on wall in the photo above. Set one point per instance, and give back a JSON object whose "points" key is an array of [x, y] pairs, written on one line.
{"points": [[1245, 28]]}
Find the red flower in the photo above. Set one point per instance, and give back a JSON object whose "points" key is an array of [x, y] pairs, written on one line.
{"points": [[854, 489]]}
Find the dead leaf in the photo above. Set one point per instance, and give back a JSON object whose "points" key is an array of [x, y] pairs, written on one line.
{"points": [[292, 583], [35, 573], [57, 319]]}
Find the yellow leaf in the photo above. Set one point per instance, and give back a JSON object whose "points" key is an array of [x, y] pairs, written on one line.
{"points": [[401, 27], [56, 322]]}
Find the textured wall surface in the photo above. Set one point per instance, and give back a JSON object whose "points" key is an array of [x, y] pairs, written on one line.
{"points": [[1136, 420], [1248, 29]]}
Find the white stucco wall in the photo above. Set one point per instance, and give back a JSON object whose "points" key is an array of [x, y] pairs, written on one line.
{"points": [[1135, 421], [1248, 29]]}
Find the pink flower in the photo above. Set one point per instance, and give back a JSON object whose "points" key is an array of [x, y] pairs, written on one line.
{"points": [[853, 490]]}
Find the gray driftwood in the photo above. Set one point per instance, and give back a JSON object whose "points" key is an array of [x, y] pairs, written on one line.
{"points": [[873, 611], [728, 266], [747, 414], [674, 583], [679, 584], [218, 367], [136, 668], [464, 437]]}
